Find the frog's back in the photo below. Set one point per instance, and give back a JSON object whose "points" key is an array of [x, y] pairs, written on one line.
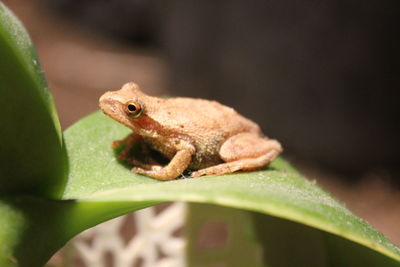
{"points": [[206, 124], [204, 117]]}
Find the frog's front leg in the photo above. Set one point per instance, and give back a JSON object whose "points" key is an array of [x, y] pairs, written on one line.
{"points": [[129, 142], [244, 151], [175, 167]]}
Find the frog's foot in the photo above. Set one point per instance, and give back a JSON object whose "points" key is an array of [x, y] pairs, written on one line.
{"points": [[174, 168], [141, 165], [158, 172], [243, 152], [155, 171]]}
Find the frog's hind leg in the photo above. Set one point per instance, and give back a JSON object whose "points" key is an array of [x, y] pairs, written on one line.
{"points": [[245, 151]]}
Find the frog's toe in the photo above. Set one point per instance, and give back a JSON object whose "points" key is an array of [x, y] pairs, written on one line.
{"points": [[196, 174], [216, 170], [158, 173], [156, 167], [138, 170], [117, 143]]}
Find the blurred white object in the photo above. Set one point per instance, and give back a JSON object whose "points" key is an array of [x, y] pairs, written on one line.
{"points": [[154, 236]]}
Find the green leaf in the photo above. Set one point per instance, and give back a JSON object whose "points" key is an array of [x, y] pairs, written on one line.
{"points": [[255, 239], [32, 228], [96, 176], [280, 205], [31, 153]]}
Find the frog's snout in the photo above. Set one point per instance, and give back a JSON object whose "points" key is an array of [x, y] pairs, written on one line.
{"points": [[108, 104], [106, 96]]}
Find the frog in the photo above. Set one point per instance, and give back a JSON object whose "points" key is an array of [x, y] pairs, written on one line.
{"points": [[200, 135]]}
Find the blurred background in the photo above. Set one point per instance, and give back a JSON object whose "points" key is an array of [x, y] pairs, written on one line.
{"points": [[320, 76]]}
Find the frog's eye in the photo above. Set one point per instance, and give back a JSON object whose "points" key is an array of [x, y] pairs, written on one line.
{"points": [[133, 109]]}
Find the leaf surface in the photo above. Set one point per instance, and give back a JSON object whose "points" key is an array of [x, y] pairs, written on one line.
{"points": [[280, 191], [31, 153]]}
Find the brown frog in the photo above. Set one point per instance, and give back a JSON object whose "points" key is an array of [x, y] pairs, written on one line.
{"points": [[192, 133]]}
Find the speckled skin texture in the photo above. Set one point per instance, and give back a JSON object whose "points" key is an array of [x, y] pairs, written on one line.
{"points": [[193, 133]]}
